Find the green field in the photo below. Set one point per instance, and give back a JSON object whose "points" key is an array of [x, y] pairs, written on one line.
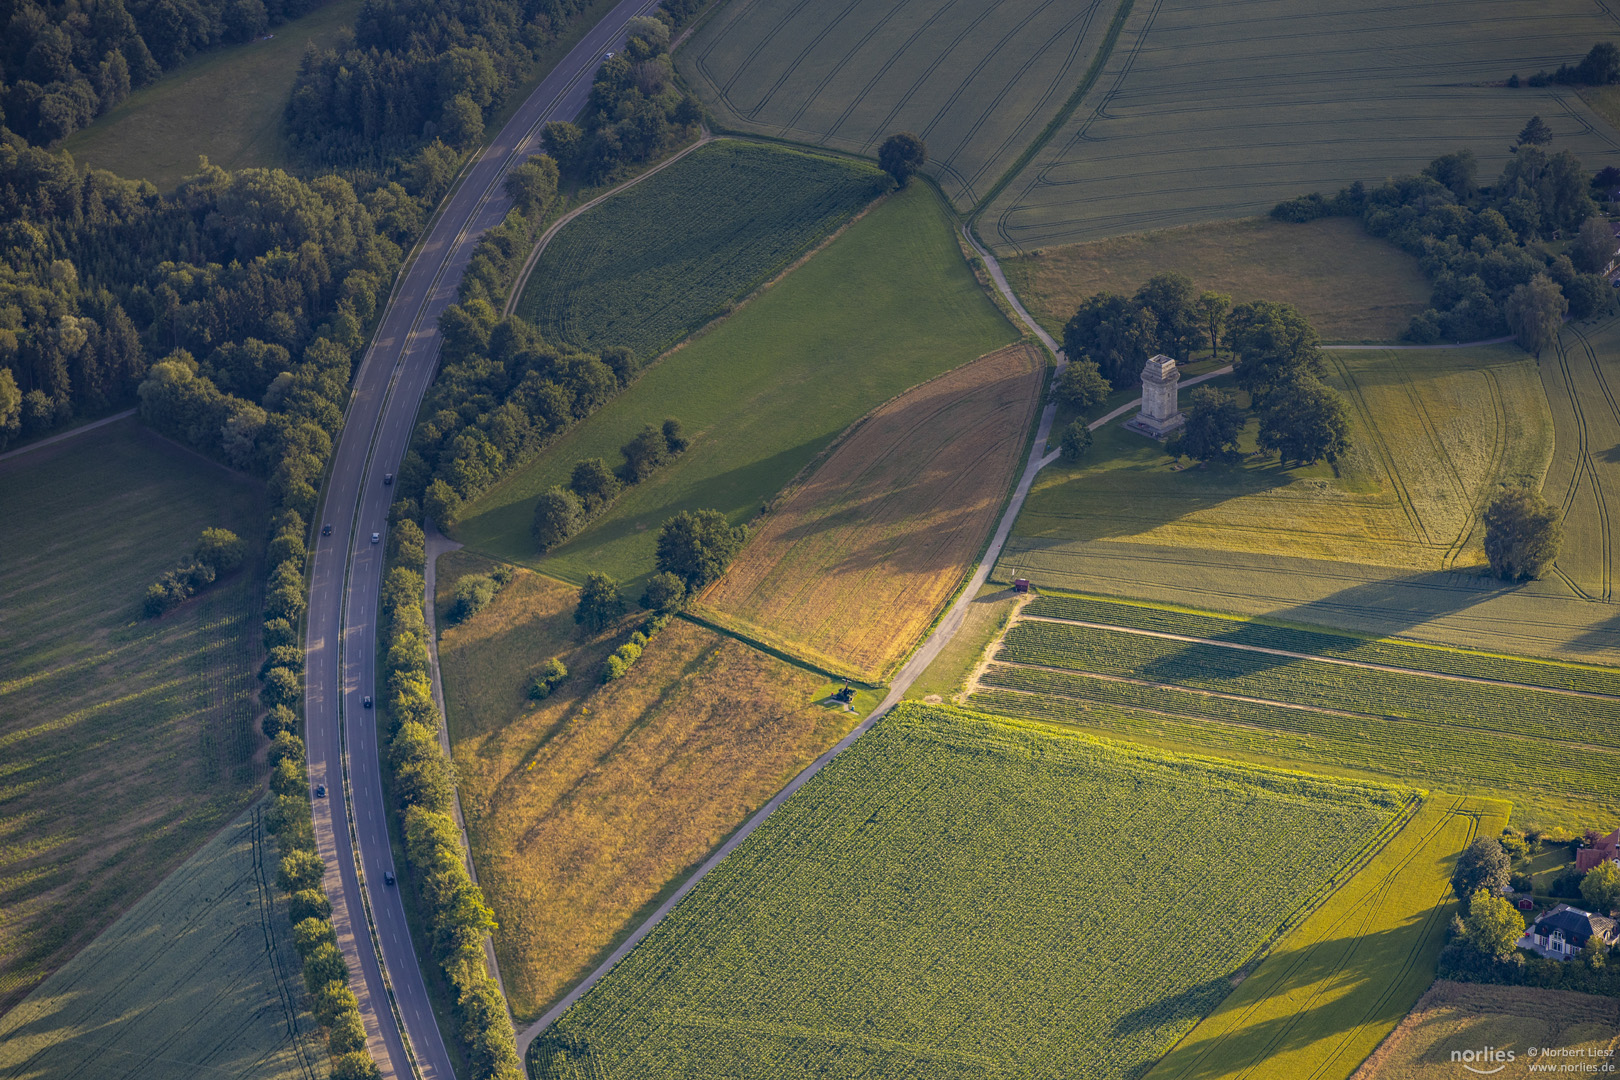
{"points": [[198, 979], [1401, 727], [1333, 987], [651, 265], [1208, 111], [126, 742], [887, 305], [978, 80], [1385, 542], [958, 897], [1433, 433], [226, 104]]}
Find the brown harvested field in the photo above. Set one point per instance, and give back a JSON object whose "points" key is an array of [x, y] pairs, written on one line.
{"points": [[1582, 1029], [587, 808], [851, 568], [1353, 287]]}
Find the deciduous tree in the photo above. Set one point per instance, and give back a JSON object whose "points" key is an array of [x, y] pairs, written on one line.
{"points": [[1076, 441], [1081, 386], [1482, 865], [902, 156], [1304, 420], [1522, 534], [1492, 926], [696, 546], [1213, 424], [599, 602]]}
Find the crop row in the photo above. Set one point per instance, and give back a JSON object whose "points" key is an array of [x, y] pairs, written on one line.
{"points": [[1510, 710], [1423, 753], [948, 866], [1327, 643], [649, 266]]}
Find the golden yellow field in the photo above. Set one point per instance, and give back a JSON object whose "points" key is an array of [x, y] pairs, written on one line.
{"points": [[1461, 1017], [1352, 286], [586, 808], [852, 567]]}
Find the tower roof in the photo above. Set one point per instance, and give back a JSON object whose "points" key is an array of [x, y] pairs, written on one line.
{"points": [[1159, 367]]}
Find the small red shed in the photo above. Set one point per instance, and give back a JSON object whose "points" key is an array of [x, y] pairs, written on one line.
{"points": [[1021, 584]]}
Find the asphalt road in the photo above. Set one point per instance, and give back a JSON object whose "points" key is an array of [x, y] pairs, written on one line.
{"points": [[351, 824]]}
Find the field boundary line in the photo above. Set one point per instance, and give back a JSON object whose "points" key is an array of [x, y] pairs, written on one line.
{"points": [[555, 227], [1391, 669], [71, 433]]}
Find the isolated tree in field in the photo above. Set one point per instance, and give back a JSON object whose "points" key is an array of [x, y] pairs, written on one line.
{"points": [[1273, 343], [664, 594], [1081, 386], [1304, 421], [1491, 926], [599, 602], [1600, 887], [1535, 311], [1212, 308], [1076, 441], [643, 454], [674, 435], [1214, 422], [1482, 865], [1535, 133], [221, 549], [594, 483], [532, 186], [1522, 534], [1594, 245], [473, 593], [696, 546], [558, 515], [902, 156]]}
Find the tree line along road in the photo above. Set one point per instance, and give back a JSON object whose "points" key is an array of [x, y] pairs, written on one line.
{"points": [[351, 823]]}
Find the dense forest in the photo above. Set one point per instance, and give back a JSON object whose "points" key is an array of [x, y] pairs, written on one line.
{"points": [[65, 62]]}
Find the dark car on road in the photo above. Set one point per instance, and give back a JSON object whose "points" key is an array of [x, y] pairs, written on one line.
{"points": [[320, 791], [326, 530], [388, 877], [366, 701]]}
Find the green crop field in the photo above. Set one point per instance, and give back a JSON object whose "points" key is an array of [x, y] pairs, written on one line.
{"points": [[1333, 987], [226, 105], [888, 304], [1206, 111], [1451, 703], [127, 742], [956, 896], [978, 80], [1302, 639], [198, 979], [1401, 727], [651, 265]]}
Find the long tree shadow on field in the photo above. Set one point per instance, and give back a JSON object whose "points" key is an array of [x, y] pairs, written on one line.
{"points": [[1357, 972]]}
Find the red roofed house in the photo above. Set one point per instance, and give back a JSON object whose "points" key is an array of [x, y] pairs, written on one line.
{"points": [[1605, 850]]}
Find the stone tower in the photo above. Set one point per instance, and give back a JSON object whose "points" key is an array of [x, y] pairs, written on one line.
{"points": [[1160, 414]]}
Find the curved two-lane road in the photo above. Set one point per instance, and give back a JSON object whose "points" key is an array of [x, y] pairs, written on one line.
{"points": [[351, 826]]}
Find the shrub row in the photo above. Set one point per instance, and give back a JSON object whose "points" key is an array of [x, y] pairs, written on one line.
{"points": [[326, 975], [424, 784], [218, 552], [561, 512]]}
